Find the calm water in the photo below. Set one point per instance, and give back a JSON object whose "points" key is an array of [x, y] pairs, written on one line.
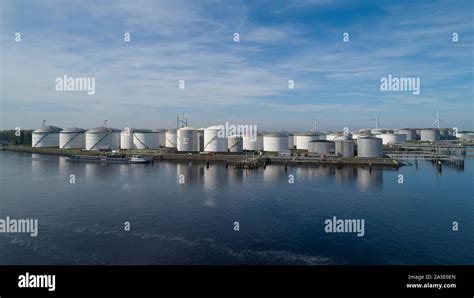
{"points": [[192, 223]]}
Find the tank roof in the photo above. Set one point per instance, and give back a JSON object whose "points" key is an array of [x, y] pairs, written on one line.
{"points": [[275, 134], [307, 133], [103, 130], [73, 130], [47, 129]]}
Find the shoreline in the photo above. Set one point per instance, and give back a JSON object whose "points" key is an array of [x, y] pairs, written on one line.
{"points": [[237, 160]]}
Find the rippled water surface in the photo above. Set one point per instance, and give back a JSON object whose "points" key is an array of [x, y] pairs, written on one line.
{"points": [[193, 223]]}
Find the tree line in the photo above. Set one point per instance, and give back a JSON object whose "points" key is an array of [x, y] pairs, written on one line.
{"points": [[14, 137]]}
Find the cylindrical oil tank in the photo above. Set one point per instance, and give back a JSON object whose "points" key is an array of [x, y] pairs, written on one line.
{"points": [[253, 142], [171, 139], [359, 134], [342, 138], [378, 131], [215, 139], [235, 144], [410, 133], [291, 139], [274, 142], [187, 139], [146, 139], [126, 138], [332, 136], [429, 134], [103, 138], [369, 147], [162, 137], [72, 138], [390, 138], [321, 147], [303, 139], [344, 148], [46, 136]]}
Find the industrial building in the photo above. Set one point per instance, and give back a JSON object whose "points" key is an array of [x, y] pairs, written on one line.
{"points": [[302, 139], [345, 148], [429, 134], [409, 132], [275, 142], [103, 138], [187, 139], [72, 138], [390, 138], [46, 136], [253, 143], [321, 147], [369, 147], [146, 139], [171, 139], [235, 144], [162, 137], [214, 140]]}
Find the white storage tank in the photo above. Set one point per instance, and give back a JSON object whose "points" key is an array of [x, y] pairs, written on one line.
{"points": [[103, 138], [410, 133], [360, 134], [321, 147], [187, 138], [46, 136], [126, 138], [303, 139], [345, 148], [378, 131], [235, 144], [171, 139], [162, 137], [275, 142], [390, 138], [72, 138], [369, 147], [291, 139], [146, 139], [429, 134], [253, 142], [215, 139], [332, 136]]}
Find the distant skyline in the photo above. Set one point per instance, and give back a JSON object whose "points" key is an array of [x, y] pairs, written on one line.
{"points": [[244, 82]]}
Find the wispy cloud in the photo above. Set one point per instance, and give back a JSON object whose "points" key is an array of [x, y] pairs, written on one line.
{"points": [[193, 41]]}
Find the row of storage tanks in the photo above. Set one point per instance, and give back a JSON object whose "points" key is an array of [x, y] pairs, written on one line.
{"points": [[210, 139]]}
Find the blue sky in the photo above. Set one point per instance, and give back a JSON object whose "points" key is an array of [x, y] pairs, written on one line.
{"points": [[244, 82]]}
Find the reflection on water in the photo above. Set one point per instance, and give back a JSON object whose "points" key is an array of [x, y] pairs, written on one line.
{"points": [[369, 179], [192, 222]]}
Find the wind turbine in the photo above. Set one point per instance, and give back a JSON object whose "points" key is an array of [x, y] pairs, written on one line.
{"points": [[377, 120], [437, 121], [316, 122]]}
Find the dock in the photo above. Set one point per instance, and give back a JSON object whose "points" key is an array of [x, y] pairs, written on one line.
{"points": [[236, 160]]}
